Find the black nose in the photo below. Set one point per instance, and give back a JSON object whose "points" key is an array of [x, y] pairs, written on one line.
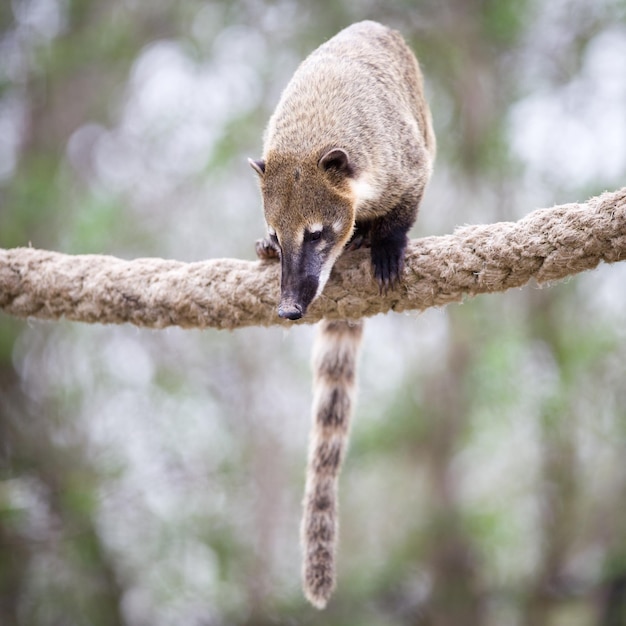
{"points": [[290, 312]]}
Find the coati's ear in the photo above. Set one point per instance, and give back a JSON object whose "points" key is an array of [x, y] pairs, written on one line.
{"points": [[257, 166], [336, 160]]}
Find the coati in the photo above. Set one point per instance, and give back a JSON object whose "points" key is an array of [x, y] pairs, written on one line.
{"points": [[347, 155]]}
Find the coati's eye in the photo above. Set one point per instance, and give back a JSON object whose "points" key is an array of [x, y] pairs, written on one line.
{"points": [[316, 235]]}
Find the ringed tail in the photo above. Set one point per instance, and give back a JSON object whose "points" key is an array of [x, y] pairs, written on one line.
{"points": [[335, 355]]}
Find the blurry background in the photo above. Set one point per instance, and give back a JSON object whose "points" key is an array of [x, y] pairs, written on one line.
{"points": [[154, 478]]}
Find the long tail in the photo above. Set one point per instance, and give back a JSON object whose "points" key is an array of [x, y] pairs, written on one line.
{"points": [[334, 368]]}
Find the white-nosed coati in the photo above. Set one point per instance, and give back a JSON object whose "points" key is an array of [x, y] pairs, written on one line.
{"points": [[347, 155]]}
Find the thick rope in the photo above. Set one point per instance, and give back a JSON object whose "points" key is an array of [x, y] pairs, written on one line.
{"points": [[546, 245]]}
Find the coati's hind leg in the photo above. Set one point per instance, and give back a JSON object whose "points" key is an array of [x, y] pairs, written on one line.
{"points": [[360, 237], [388, 241], [334, 368]]}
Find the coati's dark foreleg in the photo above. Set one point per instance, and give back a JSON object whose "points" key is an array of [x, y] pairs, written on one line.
{"points": [[388, 241], [334, 368]]}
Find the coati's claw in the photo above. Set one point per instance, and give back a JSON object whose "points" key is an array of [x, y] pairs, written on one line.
{"points": [[388, 263], [265, 250]]}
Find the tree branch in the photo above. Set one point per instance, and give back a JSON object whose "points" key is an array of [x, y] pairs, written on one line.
{"points": [[547, 245]]}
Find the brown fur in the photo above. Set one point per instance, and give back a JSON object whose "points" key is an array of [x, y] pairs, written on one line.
{"points": [[347, 155]]}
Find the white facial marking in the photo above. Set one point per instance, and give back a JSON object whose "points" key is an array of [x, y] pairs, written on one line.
{"points": [[325, 273], [299, 236], [337, 225], [271, 232], [316, 228]]}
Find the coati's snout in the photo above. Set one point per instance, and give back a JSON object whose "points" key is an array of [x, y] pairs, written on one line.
{"points": [[301, 271], [290, 312], [306, 260]]}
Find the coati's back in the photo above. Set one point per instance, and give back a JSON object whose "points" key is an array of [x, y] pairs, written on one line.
{"points": [[361, 90]]}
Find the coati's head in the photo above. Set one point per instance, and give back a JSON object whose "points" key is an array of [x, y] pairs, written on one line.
{"points": [[310, 213]]}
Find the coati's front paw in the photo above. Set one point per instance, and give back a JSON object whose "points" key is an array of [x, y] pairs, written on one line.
{"points": [[266, 250], [388, 262]]}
